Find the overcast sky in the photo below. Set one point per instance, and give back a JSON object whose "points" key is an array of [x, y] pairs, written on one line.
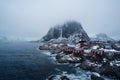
{"points": [[33, 18]]}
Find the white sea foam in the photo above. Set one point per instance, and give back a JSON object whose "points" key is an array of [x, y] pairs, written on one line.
{"points": [[47, 53]]}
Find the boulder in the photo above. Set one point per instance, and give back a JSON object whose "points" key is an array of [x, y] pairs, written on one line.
{"points": [[95, 77]]}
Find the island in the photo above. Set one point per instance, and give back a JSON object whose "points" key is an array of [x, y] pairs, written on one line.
{"points": [[71, 44]]}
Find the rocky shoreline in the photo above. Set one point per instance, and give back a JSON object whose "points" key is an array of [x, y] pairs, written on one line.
{"points": [[104, 65]]}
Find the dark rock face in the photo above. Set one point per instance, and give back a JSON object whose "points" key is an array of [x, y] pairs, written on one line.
{"points": [[64, 78], [68, 29], [94, 77]]}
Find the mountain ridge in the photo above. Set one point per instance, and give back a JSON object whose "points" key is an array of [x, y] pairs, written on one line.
{"points": [[70, 30], [102, 37]]}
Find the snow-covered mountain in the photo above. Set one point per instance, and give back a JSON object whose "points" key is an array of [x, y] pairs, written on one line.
{"points": [[102, 37], [72, 31]]}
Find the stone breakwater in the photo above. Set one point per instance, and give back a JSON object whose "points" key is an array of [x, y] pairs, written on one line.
{"points": [[107, 65]]}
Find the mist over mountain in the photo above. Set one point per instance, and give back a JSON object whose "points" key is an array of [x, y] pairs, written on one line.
{"points": [[71, 30], [102, 37], [4, 38]]}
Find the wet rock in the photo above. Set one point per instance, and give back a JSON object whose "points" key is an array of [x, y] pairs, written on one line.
{"points": [[62, 61], [98, 70], [95, 77], [107, 70], [85, 65], [59, 56], [117, 72], [64, 78], [51, 77]]}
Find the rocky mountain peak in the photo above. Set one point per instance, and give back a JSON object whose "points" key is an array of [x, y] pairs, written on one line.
{"points": [[102, 37], [70, 30]]}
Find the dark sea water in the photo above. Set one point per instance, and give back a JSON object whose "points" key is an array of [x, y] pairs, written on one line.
{"points": [[23, 61]]}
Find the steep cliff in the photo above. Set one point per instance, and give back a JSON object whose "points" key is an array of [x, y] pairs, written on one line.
{"points": [[72, 30]]}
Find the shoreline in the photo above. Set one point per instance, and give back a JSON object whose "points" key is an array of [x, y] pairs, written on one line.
{"points": [[106, 68]]}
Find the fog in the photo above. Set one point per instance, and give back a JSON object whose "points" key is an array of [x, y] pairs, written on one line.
{"points": [[33, 18]]}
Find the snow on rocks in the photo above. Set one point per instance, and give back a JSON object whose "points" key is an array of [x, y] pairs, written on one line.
{"points": [[94, 58]]}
